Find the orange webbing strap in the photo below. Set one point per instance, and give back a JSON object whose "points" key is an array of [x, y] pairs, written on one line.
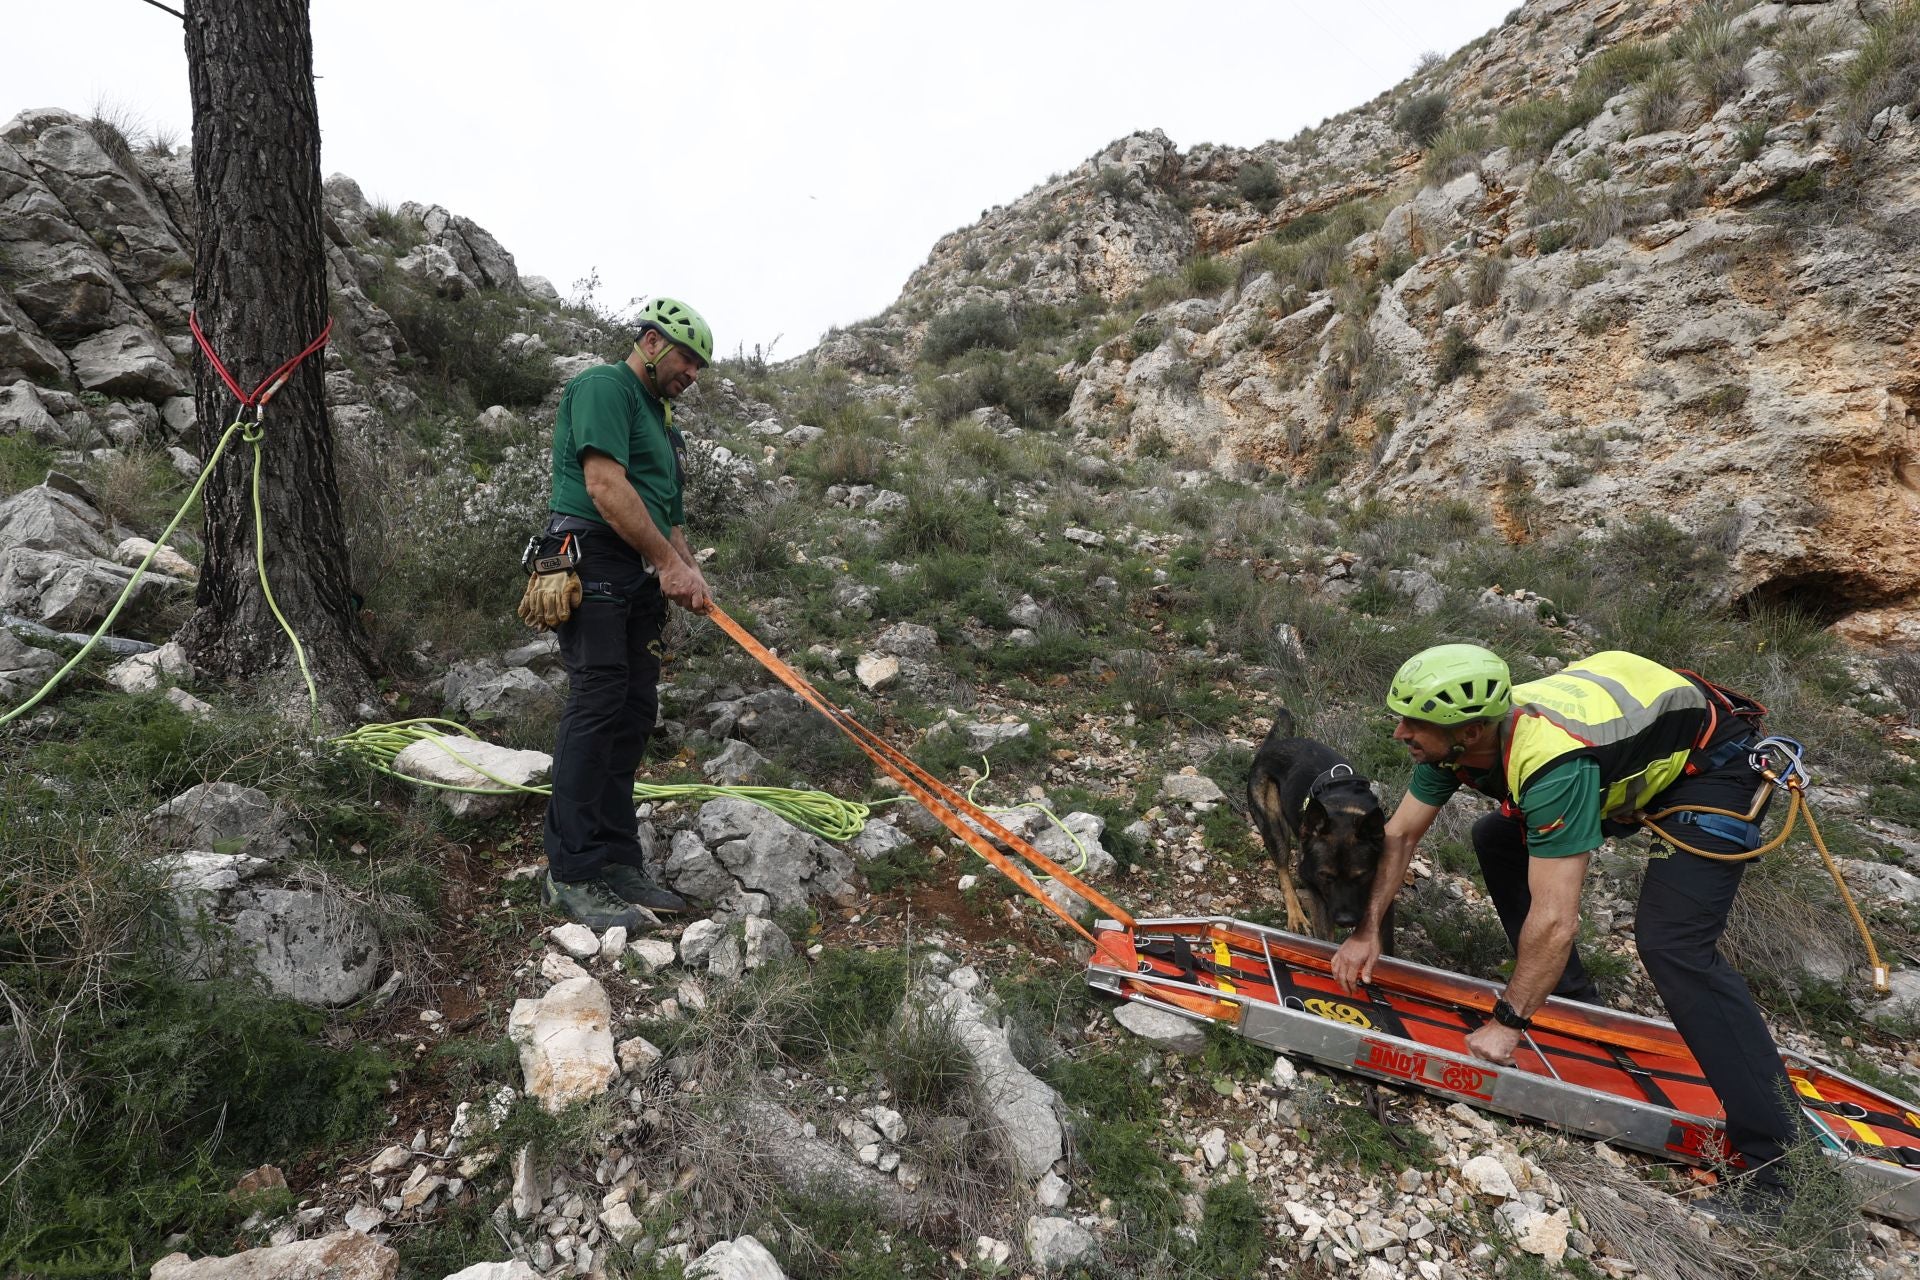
{"points": [[943, 802]]}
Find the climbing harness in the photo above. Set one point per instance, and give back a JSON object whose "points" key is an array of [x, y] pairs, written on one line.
{"points": [[1779, 761]]}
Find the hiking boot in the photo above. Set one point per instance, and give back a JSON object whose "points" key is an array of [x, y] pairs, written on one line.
{"points": [[1748, 1204], [593, 903], [633, 885]]}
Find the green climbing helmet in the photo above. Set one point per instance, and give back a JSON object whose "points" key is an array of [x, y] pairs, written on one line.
{"points": [[678, 323], [1451, 684]]}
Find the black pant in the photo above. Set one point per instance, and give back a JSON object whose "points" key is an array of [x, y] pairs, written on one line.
{"points": [[611, 647], [1683, 908]]}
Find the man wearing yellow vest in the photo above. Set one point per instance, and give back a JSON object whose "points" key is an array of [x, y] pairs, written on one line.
{"points": [[1572, 758]]}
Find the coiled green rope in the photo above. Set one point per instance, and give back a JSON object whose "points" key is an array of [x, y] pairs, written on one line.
{"points": [[376, 746]]}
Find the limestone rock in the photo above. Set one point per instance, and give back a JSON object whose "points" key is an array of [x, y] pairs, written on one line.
{"points": [[1486, 1176], [737, 765], [309, 945], [47, 518], [23, 668], [75, 593], [459, 762], [766, 943], [146, 672], [1057, 1244], [1168, 1030], [343, 1255], [227, 818], [742, 1258], [637, 1055], [128, 360], [908, 640], [576, 940], [132, 551], [22, 411], [512, 1269], [482, 691], [1191, 788], [698, 941], [877, 671], [566, 1043], [1021, 1103]]}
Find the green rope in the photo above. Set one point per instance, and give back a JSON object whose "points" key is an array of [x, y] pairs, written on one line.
{"points": [[253, 436], [987, 772], [126, 593], [376, 746]]}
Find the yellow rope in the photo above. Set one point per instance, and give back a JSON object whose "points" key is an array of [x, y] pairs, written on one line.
{"points": [[1797, 807]]}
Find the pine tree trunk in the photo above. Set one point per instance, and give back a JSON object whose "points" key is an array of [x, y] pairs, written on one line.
{"points": [[261, 292]]}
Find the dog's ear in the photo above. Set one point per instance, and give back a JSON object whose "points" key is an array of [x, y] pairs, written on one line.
{"points": [[1374, 825], [1312, 817]]}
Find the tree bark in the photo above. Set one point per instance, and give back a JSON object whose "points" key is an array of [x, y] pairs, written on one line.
{"points": [[260, 288]]}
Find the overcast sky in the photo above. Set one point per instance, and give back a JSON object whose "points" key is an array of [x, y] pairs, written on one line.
{"points": [[782, 167]]}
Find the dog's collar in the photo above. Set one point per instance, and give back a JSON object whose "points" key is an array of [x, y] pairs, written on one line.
{"points": [[1339, 773]]}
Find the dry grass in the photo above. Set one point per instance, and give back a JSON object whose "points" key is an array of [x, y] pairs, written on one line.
{"points": [[1641, 1223]]}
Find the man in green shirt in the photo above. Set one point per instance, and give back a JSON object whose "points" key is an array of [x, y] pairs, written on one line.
{"points": [[616, 502], [1572, 757]]}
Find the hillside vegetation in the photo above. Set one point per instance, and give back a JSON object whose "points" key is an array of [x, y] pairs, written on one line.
{"points": [[1596, 334]]}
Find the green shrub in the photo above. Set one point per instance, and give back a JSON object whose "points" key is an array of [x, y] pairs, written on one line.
{"points": [[1714, 52], [1231, 1240], [1750, 139], [1258, 183], [968, 328], [1804, 47], [1531, 128], [1115, 183], [1206, 275], [1483, 285], [1421, 117], [1459, 355], [1658, 103], [23, 462], [1457, 149], [1887, 71], [845, 457], [1619, 67], [850, 997], [943, 517], [456, 347]]}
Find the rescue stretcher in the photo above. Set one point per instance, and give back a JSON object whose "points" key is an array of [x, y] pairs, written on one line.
{"points": [[1591, 1071]]}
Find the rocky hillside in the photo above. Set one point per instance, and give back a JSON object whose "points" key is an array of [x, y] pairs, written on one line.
{"points": [[1608, 258], [1068, 522]]}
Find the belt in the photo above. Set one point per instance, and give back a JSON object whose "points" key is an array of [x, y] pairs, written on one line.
{"points": [[559, 522]]}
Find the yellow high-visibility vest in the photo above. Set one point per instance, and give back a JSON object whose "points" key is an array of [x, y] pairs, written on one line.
{"points": [[1636, 719]]}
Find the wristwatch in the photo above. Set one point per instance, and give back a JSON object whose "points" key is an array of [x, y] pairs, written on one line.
{"points": [[1507, 1016]]}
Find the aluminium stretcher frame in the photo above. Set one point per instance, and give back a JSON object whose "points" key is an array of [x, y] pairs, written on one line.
{"points": [[1592, 1071]]}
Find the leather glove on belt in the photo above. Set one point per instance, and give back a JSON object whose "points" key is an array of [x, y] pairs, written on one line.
{"points": [[549, 599]]}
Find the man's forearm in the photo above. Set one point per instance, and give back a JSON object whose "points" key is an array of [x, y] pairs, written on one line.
{"points": [[1540, 958], [679, 541], [1395, 857], [627, 515]]}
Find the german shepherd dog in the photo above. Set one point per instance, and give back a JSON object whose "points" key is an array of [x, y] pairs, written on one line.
{"points": [[1324, 828]]}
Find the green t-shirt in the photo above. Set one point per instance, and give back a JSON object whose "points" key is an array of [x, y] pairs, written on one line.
{"points": [[606, 409], [1561, 806]]}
